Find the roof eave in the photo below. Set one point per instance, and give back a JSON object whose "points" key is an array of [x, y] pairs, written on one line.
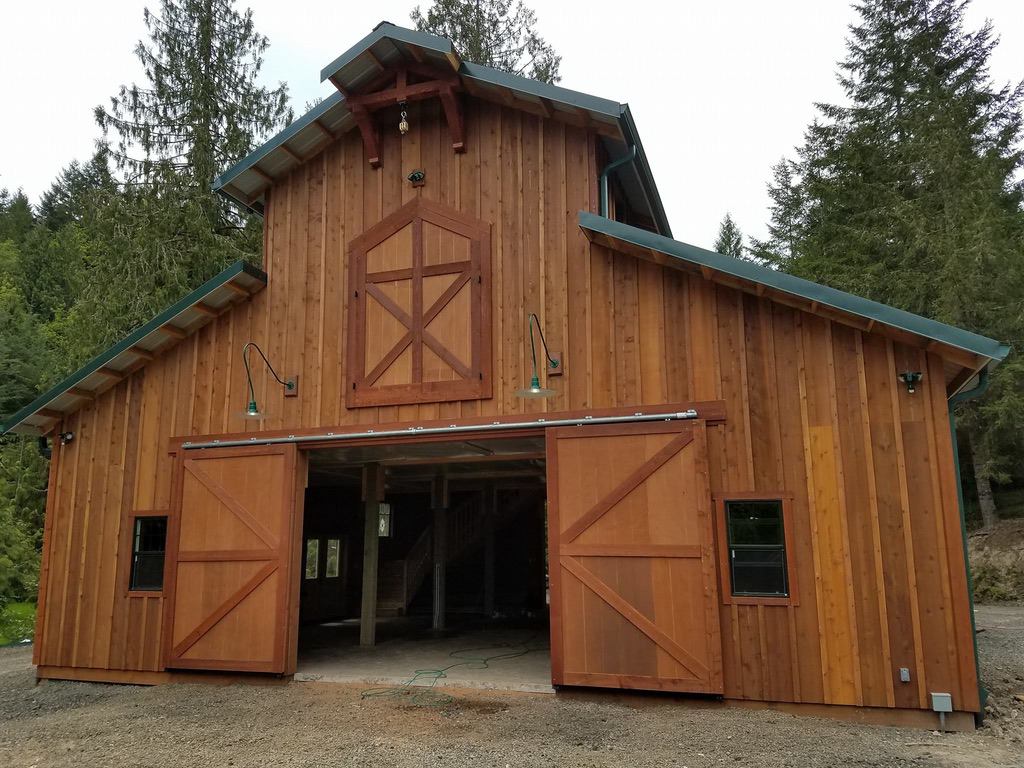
{"points": [[989, 349], [144, 341]]}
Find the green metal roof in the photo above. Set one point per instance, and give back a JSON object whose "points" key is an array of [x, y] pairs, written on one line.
{"points": [[994, 350], [182, 317], [246, 181]]}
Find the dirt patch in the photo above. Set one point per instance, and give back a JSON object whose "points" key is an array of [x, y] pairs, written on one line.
{"points": [[1001, 642], [78, 724], [997, 562]]}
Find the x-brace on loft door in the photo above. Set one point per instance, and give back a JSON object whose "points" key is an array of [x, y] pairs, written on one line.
{"points": [[634, 600]]}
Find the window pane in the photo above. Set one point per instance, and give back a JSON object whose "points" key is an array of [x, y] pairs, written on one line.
{"points": [[331, 566], [759, 572], [148, 543], [312, 558], [755, 523]]}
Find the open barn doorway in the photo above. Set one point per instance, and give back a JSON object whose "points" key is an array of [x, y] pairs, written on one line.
{"points": [[453, 536]]}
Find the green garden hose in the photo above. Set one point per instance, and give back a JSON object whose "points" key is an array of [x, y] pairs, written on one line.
{"points": [[420, 688]]}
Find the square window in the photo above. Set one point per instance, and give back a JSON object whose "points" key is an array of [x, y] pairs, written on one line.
{"points": [[332, 566], [757, 548], [312, 558], [149, 541]]}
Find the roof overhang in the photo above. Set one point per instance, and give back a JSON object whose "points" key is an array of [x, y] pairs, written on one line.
{"points": [[214, 297], [390, 45], [968, 351]]}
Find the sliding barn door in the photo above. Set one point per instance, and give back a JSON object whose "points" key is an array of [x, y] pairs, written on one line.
{"points": [[232, 551], [634, 601]]}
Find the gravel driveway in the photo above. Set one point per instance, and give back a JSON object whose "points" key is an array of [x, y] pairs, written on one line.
{"points": [[81, 724]]}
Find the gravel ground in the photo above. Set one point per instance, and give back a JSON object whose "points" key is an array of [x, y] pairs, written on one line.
{"points": [[81, 724]]}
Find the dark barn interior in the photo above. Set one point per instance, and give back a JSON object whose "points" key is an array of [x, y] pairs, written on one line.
{"points": [[461, 566]]}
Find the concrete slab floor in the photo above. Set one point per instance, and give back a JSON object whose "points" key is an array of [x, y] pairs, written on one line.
{"points": [[485, 655]]}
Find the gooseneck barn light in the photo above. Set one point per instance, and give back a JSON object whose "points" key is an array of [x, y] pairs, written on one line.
{"points": [[252, 411], [535, 389]]}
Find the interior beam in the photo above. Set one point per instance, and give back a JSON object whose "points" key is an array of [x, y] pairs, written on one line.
{"points": [[373, 494], [439, 505]]}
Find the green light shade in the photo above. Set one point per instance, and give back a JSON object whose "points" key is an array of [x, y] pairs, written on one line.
{"points": [[535, 389]]}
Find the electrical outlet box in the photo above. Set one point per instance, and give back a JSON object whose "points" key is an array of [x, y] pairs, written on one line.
{"points": [[942, 702], [291, 388], [559, 369], [904, 675]]}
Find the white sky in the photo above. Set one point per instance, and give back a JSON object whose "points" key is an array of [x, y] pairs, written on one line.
{"points": [[720, 89]]}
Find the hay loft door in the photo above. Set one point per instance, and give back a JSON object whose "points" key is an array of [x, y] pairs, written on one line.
{"points": [[232, 548], [634, 602]]}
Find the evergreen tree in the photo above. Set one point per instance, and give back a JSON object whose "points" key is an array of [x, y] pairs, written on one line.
{"points": [[786, 210], [499, 33], [730, 239], [66, 199], [201, 109], [908, 193]]}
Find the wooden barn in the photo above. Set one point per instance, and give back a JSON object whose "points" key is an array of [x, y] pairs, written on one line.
{"points": [[476, 382]]}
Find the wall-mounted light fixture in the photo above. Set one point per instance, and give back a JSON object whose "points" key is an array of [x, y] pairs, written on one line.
{"points": [[552, 366], [911, 378], [403, 124], [417, 178], [66, 437], [291, 385]]}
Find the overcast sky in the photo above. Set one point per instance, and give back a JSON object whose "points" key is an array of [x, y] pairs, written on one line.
{"points": [[720, 89]]}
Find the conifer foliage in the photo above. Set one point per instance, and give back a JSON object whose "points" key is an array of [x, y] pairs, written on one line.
{"points": [[201, 107], [498, 33], [730, 239], [122, 236], [908, 193]]}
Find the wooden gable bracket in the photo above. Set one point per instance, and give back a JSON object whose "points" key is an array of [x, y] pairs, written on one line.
{"points": [[443, 87]]}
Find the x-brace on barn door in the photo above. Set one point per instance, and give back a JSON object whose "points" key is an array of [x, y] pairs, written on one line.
{"points": [[233, 545], [634, 601]]}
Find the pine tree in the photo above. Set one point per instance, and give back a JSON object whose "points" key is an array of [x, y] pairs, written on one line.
{"points": [[498, 33], [730, 239], [201, 109], [66, 199], [908, 193], [784, 227]]}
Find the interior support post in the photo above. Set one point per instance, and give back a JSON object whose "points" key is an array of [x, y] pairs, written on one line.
{"points": [[439, 504], [373, 495], [490, 508]]}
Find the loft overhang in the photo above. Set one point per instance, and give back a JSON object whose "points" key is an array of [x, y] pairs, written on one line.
{"points": [[216, 296], [966, 353], [389, 46]]}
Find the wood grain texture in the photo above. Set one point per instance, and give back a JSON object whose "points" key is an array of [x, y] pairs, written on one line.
{"points": [[632, 556], [814, 408]]}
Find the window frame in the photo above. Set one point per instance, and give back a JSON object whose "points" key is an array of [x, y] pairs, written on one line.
{"points": [[327, 557], [305, 559], [130, 589], [722, 535]]}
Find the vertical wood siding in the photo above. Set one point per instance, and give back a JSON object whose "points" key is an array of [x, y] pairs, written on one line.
{"points": [[814, 409]]}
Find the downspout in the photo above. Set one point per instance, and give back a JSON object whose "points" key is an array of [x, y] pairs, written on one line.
{"points": [[628, 158], [955, 400]]}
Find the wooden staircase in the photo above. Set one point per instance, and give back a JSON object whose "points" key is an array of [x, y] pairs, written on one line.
{"points": [[400, 580]]}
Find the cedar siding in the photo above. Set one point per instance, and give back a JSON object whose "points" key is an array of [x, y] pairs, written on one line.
{"points": [[814, 411]]}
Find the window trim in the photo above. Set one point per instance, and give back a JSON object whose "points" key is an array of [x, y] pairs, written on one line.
{"points": [[132, 518], [327, 556], [305, 558], [722, 535]]}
